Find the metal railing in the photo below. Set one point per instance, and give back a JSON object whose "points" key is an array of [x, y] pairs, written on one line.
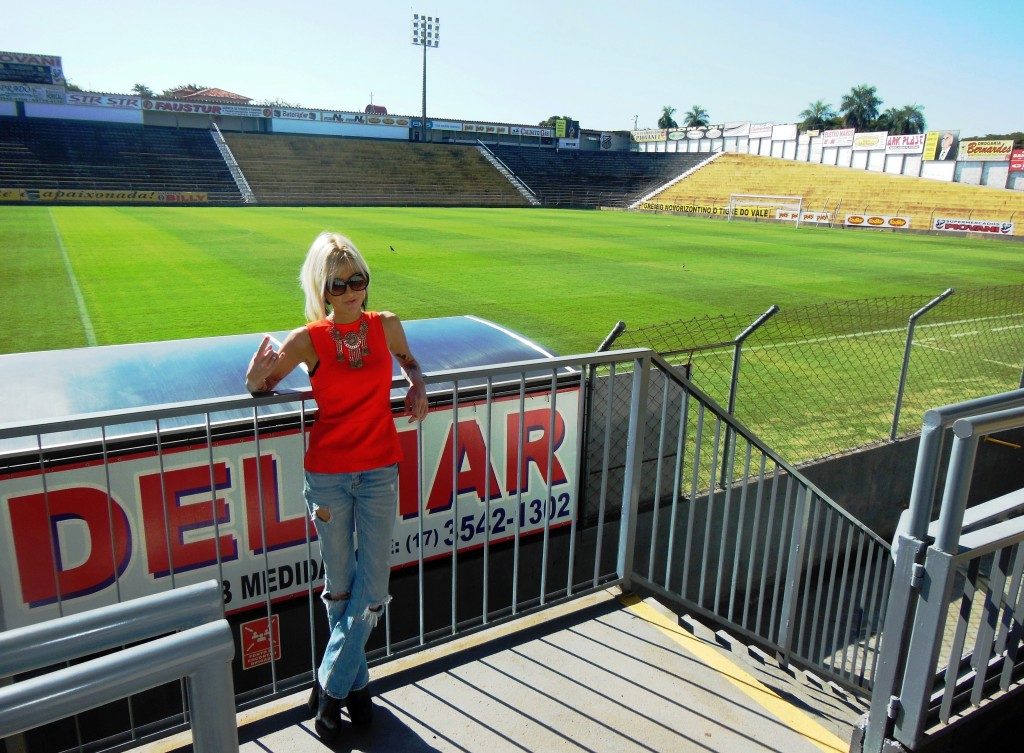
{"points": [[823, 379], [968, 559], [528, 484], [248, 197], [202, 651]]}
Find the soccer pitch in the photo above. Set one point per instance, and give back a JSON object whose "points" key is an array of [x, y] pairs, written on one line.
{"points": [[75, 275]]}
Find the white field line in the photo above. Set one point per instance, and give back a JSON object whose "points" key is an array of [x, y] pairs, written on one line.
{"points": [[964, 334], [933, 347], [83, 313], [871, 333], [1000, 363]]}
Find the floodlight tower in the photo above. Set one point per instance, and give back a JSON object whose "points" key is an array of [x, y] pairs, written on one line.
{"points": [[426, 32]]}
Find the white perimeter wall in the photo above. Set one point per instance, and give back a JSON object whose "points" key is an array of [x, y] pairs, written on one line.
{"points": [[994, 174], [75, 112]]}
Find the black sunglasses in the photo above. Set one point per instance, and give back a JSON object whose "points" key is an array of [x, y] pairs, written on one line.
{"points": [[358, 281]]}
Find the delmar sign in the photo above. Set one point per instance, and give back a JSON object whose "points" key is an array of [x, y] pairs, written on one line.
{"points": [[89, 533]]}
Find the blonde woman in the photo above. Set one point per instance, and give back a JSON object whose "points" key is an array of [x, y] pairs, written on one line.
{"points": [[351, 459]]}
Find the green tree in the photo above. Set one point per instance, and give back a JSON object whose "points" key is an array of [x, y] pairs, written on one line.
{"points": [[859, 108], [72, 87], [277, 103], [143, 91], [696, 116], [666, 120], [818, 115], [550, 122], [900, 120], [195, 87]]}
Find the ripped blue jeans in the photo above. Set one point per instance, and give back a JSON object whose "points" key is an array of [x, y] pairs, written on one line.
{"points": [[346, 508]]}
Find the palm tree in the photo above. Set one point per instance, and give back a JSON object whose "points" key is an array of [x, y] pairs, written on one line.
{"points": [[666, 121], [818, 115], [697, 116], [860, 107], [900, 120]]}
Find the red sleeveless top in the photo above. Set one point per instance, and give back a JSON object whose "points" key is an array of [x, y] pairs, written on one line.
{"points": [[354, 430]]}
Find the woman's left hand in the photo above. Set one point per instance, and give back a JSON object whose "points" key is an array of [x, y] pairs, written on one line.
{"points": [[416, 402]]}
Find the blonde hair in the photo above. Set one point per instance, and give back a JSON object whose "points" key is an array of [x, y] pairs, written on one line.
{"points": [[328, 253]]}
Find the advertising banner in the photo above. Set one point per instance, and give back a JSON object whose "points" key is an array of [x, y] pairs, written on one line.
{"points": [[387, 120], [15, 92], [484, 128], [838, 137], [766, 213], [885, 221], [202, 108], [676, 134], [863, 142], [442, 125], [120, 101], [940, 145], [94, 534], [129, 197], [13, 194], [651, 134], [568, 143], [815, 218], [606, 140], [736, 129], [985, 151], [32, 66], [527, 131], [784, 132], [990, 227], [760, 130], [911, 143], [1017, 161]]}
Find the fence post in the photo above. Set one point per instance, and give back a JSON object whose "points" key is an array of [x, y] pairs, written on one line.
{"points": [[911, 324], [735, 378], [794, 571], [631, 478]]}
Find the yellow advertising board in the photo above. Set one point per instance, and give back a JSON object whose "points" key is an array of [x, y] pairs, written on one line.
{"points": [[658, 206], [119, 197]]}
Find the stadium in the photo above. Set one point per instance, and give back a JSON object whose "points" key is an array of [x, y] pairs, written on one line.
{"points": [[735, 443]]}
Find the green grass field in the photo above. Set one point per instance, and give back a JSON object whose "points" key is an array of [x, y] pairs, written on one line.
{"points": [[561, 278]]}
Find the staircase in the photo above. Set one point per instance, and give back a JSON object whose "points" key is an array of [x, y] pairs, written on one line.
{"points": [[248, 197], [524, 189]]}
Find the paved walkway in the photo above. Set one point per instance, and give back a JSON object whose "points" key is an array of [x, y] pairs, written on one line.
{"points": [[618, 675]]}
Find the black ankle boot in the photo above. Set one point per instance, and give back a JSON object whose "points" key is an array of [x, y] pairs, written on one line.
{"points": [[360, 707], [328, 715]]}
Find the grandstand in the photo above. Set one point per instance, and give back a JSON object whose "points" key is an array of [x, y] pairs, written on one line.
{"points": [[840, 190], [570, 178], [288, 169], [39, 154]]}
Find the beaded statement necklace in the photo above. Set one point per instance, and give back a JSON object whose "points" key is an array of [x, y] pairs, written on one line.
{"points": [[352, 346]]}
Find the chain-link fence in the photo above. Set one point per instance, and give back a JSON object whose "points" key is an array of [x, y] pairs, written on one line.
{"points": [[816, 381]]}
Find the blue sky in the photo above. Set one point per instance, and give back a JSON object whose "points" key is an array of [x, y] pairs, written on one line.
{"points": [[601, 62]]}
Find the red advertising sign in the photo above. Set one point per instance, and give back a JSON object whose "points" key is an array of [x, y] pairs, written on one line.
{"points": [[258, 637], [1017, 161], [89, 534]]}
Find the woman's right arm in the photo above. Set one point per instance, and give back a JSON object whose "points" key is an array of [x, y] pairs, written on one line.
{"points": [[268, 366]]}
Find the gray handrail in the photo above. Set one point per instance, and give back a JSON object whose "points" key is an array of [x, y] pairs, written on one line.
{"points": [[203, 654], [202, 651], [28, 648]]}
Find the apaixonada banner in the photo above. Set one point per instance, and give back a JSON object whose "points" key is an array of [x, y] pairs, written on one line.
{"points": [[959, 225]]}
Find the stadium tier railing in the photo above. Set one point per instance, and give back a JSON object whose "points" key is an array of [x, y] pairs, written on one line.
{"points": [[952, 640], [638, 479]]}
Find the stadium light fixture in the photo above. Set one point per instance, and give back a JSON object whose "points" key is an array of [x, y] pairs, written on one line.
{"points": [[426, 32]]}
